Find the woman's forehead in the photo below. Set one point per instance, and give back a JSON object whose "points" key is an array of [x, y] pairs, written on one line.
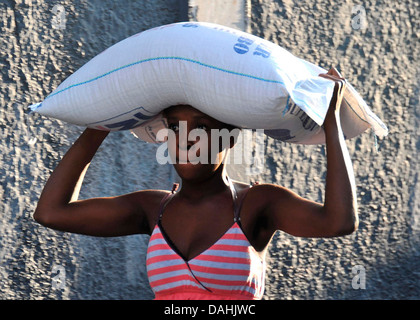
{"points": [[180, 111]]}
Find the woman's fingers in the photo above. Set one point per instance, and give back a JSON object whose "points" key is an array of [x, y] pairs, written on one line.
{"points": [[334, 72], [331, 77]]}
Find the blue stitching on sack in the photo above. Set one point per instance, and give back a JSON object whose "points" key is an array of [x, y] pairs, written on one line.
{"points": [[165, 58], [175, 58], [286, 109]]}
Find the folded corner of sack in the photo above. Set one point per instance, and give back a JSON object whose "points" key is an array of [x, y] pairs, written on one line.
{"points": [[378, 127], [34, 106], [150, 130], [313, 96]]}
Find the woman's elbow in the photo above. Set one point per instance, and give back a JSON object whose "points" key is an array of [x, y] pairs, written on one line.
{"points": [[42, 217], [349, 229], [350, 226]]}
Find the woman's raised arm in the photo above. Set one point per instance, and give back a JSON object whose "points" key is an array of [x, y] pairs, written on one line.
{"points": [[338, 215], [59, 208]]}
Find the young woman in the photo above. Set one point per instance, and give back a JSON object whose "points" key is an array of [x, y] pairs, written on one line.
{"points": [[209, 239]]}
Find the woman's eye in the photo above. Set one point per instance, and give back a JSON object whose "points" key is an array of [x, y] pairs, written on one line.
{"points": [[202, 126], [173, 127]]}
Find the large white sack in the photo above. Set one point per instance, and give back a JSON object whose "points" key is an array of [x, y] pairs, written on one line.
{"points": [[230, 75]]}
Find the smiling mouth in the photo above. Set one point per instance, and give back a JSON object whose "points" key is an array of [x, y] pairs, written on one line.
{"points": [[187, 157], [194, 161]]}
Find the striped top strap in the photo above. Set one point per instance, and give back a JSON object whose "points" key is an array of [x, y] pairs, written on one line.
{"points": [[166, 200]]}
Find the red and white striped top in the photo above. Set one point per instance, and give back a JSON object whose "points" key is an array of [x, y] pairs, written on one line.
{"points": [[230, 269]]}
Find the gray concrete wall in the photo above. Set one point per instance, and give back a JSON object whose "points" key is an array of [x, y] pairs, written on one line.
{"points": [[35, 58], [381, 61]]}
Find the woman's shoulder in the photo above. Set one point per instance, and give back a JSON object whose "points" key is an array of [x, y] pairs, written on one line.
{"points": [[260, 193], [255, 185], [148, 201]]}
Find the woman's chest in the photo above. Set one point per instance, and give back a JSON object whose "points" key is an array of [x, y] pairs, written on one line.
{"points": [[194, 229]]}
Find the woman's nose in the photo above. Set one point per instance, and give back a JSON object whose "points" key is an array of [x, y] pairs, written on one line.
{"points": [[184, 143]]}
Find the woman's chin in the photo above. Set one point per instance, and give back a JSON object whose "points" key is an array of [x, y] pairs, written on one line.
{"points": [[194, 170]]}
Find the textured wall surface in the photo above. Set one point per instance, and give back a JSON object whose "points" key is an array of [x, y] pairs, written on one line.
{"points": [[35, 58], [381, 61]]}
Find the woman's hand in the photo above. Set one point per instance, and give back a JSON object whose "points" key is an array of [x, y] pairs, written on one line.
{"points": [[333, 113]]}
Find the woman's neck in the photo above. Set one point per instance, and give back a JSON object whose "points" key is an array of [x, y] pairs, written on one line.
{"points": [[194, 190]]}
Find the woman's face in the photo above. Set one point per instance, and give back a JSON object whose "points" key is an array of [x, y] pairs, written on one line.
{"points": [[190, 145]]}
